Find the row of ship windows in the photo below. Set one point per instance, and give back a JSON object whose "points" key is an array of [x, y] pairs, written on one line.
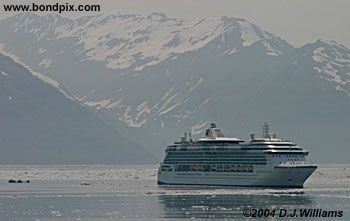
{"points": [[179, 161], [199, 154], [275, 144], [292, 162], [216, 156], [278, 155], [215, 162], [230, 149], [215, 153], [215, 159], [211, 168]]}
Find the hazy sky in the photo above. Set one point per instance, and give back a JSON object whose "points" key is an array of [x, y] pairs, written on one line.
{"points": [[297, 21]]}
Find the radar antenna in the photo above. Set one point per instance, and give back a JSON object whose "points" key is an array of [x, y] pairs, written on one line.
{"points": [[252, 135]]}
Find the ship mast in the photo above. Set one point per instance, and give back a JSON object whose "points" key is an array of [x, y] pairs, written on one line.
{"points": [[266, 130]]}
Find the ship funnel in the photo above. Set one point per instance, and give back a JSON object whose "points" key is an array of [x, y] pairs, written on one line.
{"points": [[213, 125]]}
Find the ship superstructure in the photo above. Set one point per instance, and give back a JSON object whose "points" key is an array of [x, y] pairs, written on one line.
{"points": [[218, 160]]}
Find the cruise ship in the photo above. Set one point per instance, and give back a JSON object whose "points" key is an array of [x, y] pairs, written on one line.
{"points": [[214, 159]]}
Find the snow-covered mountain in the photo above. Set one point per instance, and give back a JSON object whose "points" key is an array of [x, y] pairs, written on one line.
{"points": [[40, 123], [138, 41], [332, 62], [123, 46], [159, 75]]}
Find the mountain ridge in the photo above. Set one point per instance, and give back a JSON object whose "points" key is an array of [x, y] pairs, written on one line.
{"points": [[180, 36], [233, 80]]}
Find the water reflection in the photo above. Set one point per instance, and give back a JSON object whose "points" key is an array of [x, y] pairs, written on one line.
{"points": [[229, 205]]}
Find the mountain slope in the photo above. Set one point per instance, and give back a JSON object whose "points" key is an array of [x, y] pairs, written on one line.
{"points": [[40, 125], [331, 61]]}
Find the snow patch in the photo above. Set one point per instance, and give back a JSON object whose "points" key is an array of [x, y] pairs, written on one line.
{"points": [[230, 51], [169, 103], [328, 73], [80, 99], [167, 72], [169, 108], [127, 118], [143, 110], [98, 104], [4, 73], [331, 73], [200, 80], [115, 104], [42, 77], [248, 34], [331, 63], [199, 128], [47, 62], [205, 102], [270, 50], [52, 83], [319, 55], [339, 88], [42, 50]]}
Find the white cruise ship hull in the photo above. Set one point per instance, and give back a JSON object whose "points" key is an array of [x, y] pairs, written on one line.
{"points": [[277, 176]]}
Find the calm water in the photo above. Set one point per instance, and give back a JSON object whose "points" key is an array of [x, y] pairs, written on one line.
{"points": [[131, 193]]}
